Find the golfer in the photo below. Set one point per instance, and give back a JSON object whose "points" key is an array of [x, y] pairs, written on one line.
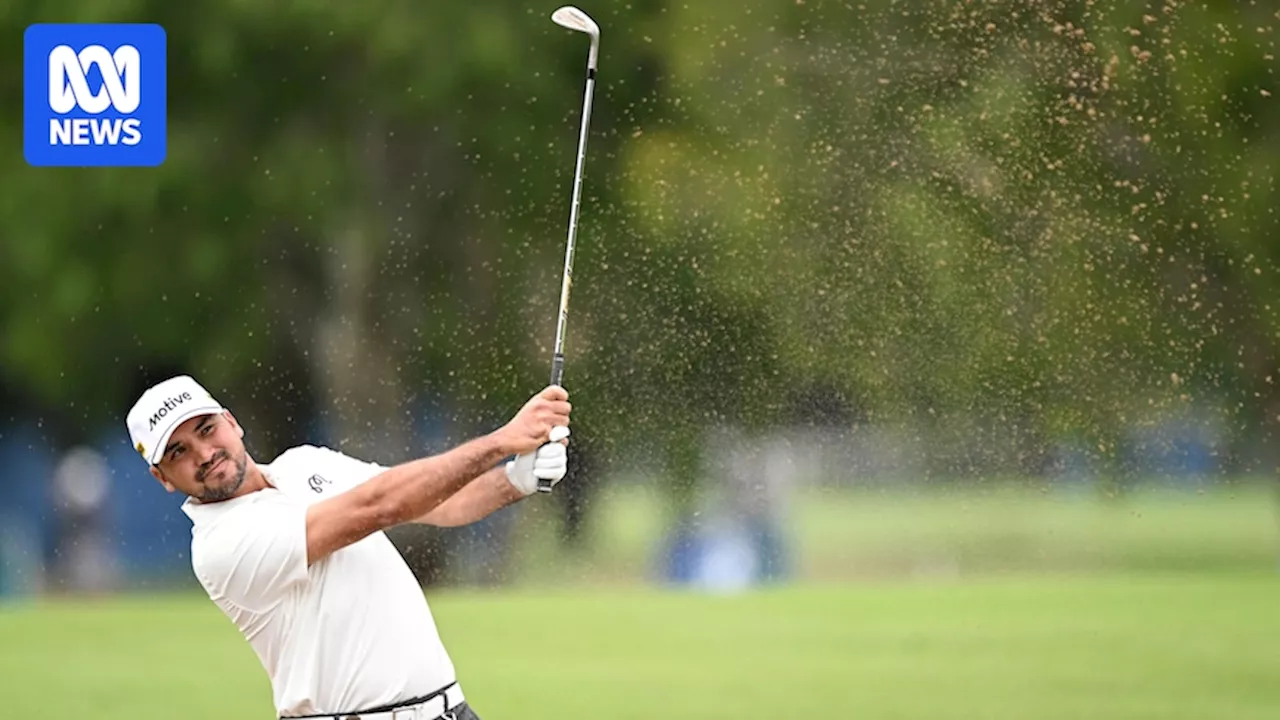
{"points": [[294, 553]]}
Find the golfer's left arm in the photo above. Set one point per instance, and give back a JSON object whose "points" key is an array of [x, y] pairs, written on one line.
{"points": [[500, 487]]}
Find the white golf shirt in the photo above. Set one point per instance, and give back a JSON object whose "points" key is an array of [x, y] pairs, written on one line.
{"points": [[351, 632]]}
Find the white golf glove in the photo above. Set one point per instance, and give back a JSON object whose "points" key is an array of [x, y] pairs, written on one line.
{"points": [[549, 462]]}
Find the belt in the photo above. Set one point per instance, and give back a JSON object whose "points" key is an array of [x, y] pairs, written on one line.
{"points": [[439, 704]]}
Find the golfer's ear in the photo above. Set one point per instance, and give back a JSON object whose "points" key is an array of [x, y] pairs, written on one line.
{"points": [[239, 428], [159, 476]]}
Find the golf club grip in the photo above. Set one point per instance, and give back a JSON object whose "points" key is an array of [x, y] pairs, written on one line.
{"points": [[557, 368], [557, 372], [544, 485]]}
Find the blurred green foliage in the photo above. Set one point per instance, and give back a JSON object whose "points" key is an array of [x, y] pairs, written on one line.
{"points": [[1036, 220]]}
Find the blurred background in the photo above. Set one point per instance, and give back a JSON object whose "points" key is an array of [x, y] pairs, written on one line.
{"points": [[867, 295]]}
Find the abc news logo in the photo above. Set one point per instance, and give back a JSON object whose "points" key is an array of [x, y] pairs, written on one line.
{"points": [[121, 90], [94, 95]]}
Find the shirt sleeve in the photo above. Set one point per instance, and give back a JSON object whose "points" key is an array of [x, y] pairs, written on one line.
{"points": [[345, 469], [255, 556]]}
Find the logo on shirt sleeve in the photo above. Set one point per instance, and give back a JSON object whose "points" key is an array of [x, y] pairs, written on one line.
{"points": [[316, 481]]}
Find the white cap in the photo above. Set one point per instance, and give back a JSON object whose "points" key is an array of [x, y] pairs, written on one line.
{"points": [[161, 409]]}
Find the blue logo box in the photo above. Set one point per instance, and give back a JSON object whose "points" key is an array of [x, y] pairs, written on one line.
{"points": [[94, 95]]}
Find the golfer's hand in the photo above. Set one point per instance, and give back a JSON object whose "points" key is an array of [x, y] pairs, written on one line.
{"points": [[531, 428], [549, 462]]}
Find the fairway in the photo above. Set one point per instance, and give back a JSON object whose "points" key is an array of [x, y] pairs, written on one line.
{"points": [[1139, 646]]}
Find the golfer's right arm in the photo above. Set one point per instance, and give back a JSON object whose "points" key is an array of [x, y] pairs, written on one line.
{"points": [[396, 496], [410, 490]]}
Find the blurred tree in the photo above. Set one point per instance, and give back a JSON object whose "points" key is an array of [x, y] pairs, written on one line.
{"points": [[1005, 224], [1036, 222]]}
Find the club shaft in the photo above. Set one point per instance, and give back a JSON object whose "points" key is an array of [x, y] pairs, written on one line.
{"points": [[557, 364]]}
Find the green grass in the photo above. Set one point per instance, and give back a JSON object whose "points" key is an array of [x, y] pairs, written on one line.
{"points": [[1021, 529], [1105, 648], [970, 531], [992, 602]]}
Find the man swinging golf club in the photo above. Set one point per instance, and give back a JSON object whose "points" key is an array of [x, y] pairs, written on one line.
{"points": [[294, 553]]}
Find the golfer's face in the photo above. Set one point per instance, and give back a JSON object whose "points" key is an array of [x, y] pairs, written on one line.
{"points": [[205, 458]]}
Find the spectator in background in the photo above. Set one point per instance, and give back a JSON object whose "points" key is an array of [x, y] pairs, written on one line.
{"points": [[83, 559]]}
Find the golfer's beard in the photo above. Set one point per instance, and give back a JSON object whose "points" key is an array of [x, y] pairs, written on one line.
{"points": [[228, 489]]}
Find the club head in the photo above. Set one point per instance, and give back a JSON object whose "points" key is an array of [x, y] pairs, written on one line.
{"points": [[574, 19]]}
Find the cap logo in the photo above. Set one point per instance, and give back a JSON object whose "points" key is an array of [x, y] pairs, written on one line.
{"points": [[169, 404]]}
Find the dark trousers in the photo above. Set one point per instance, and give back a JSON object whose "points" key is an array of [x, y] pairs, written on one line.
{"points": [[464, 712]]}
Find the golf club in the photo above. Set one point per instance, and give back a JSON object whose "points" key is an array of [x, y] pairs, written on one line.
{"points": [[574, 19]]}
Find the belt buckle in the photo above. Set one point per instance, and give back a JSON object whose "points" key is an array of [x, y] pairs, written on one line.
{"points": [[448, 712], [409, 713]]}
